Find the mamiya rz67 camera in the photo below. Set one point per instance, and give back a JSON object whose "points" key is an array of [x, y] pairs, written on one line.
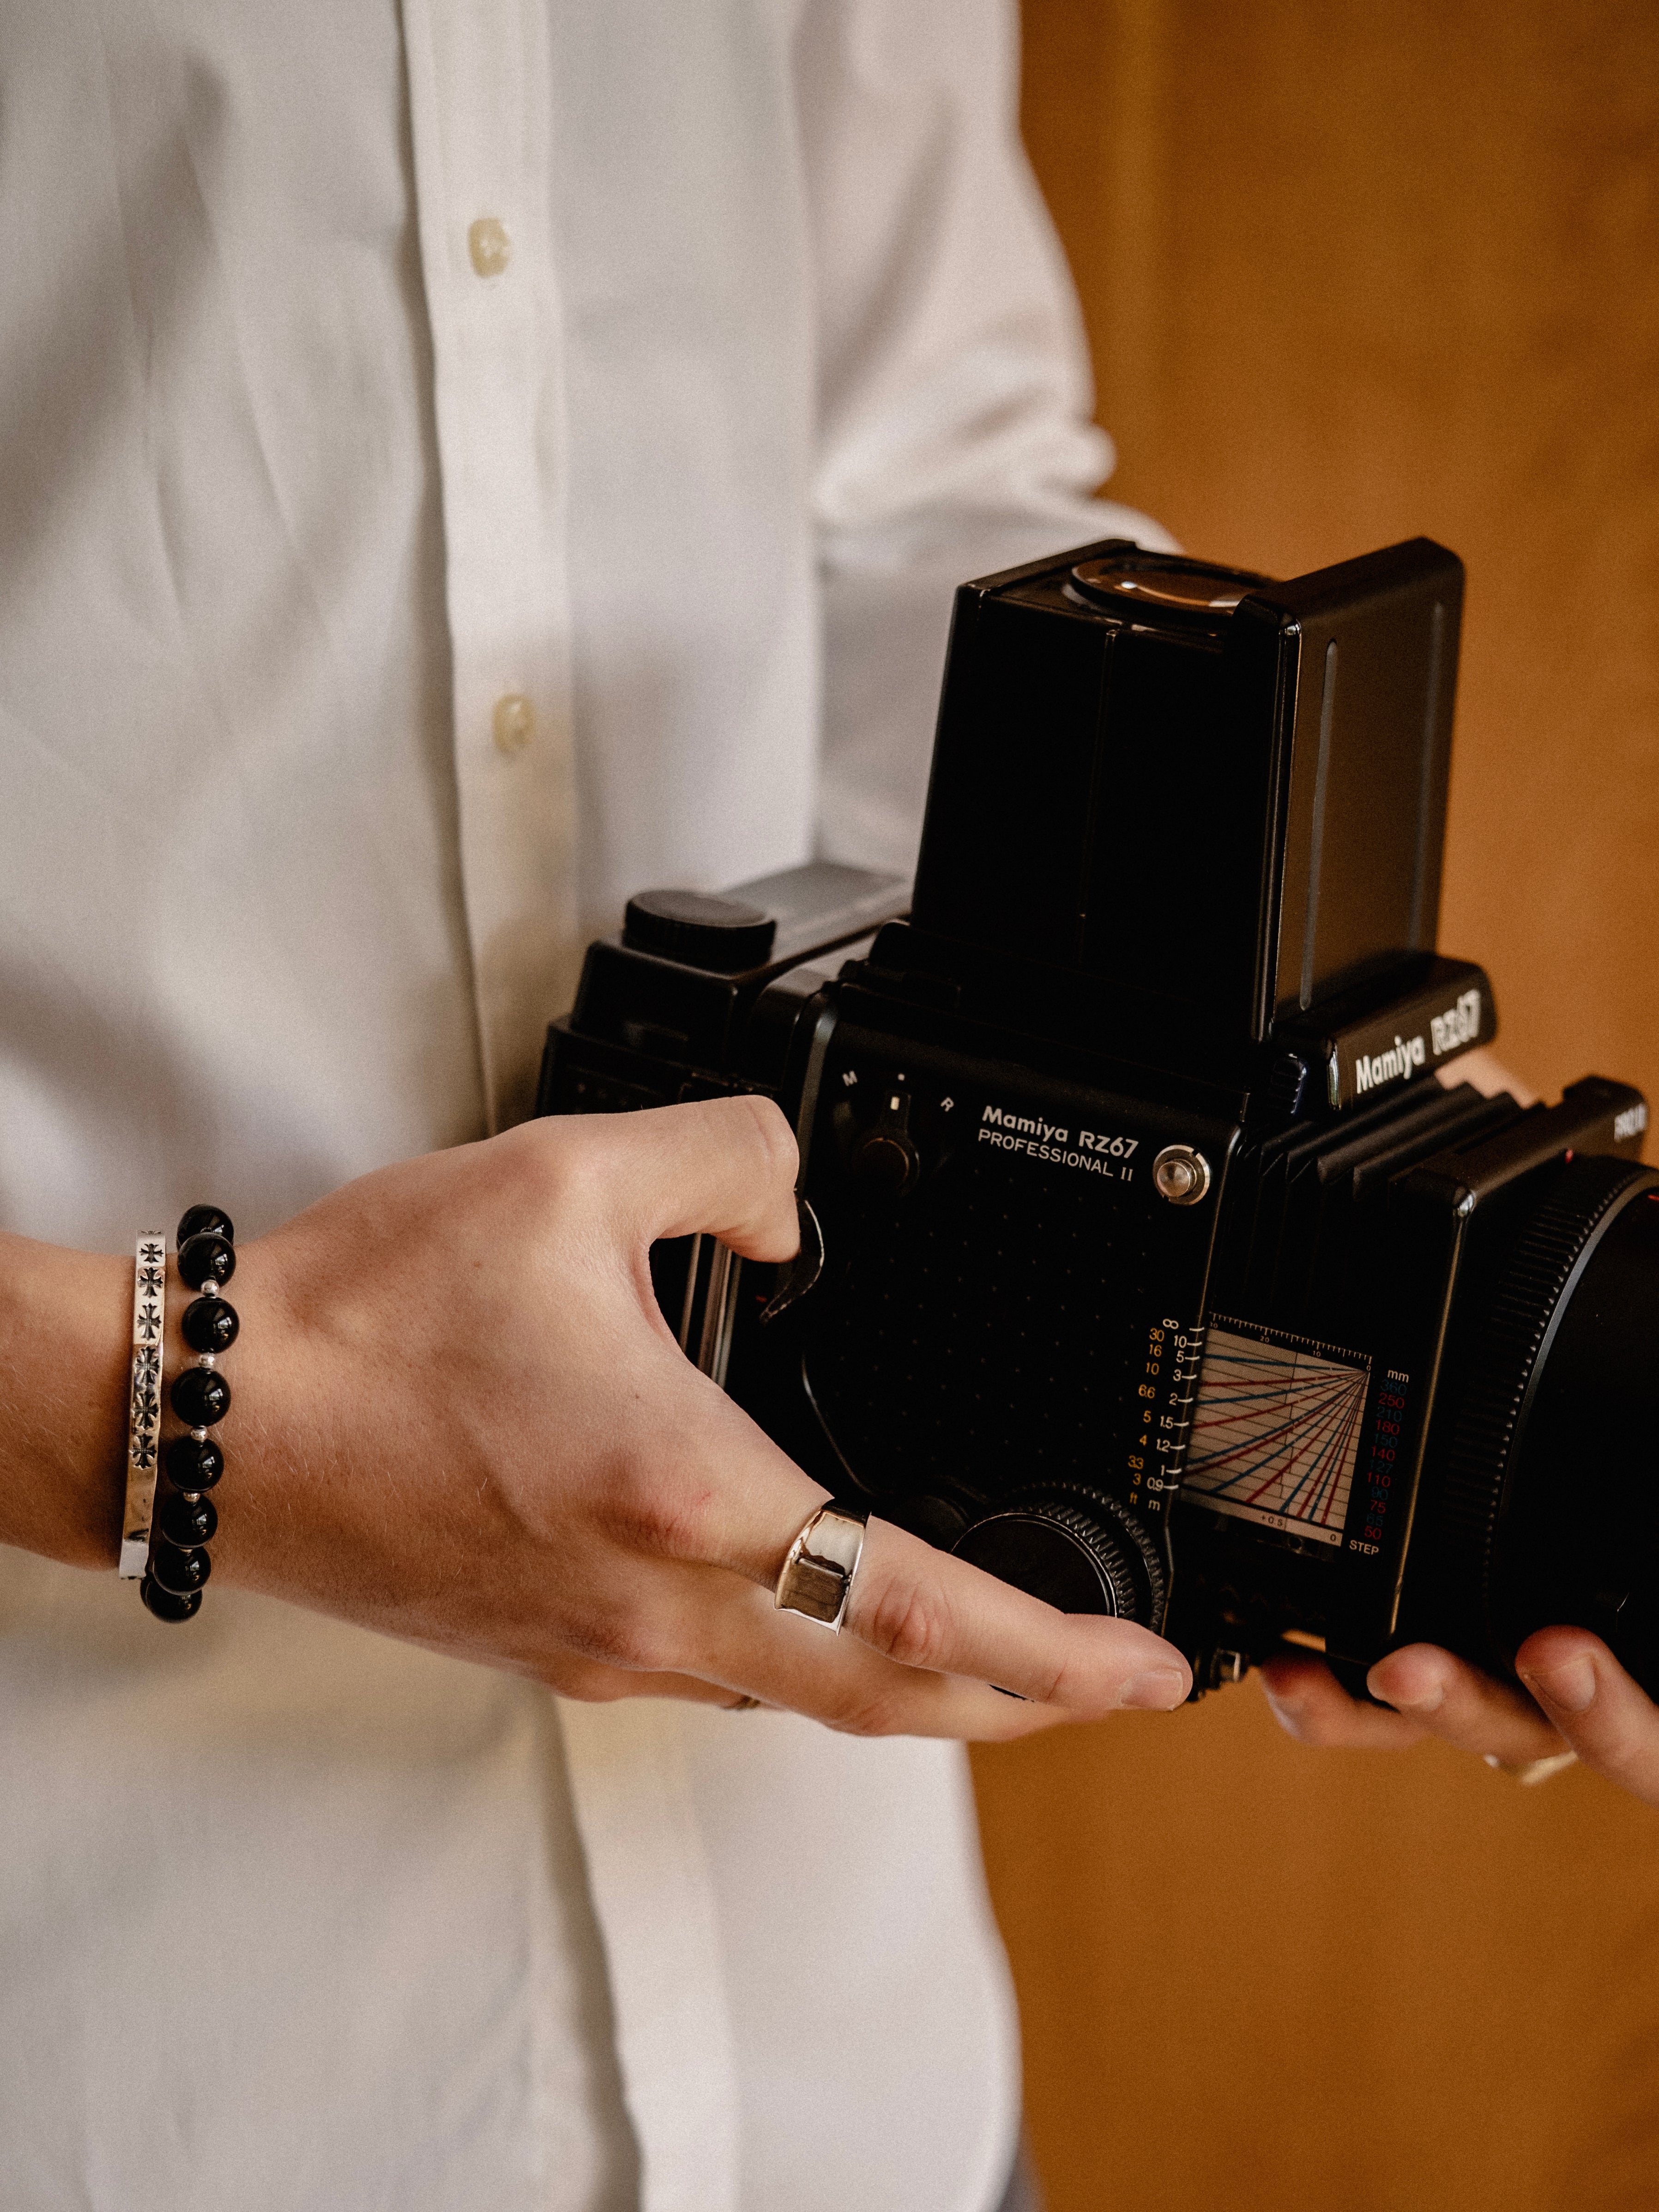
{"points": [[1146, 1263]]}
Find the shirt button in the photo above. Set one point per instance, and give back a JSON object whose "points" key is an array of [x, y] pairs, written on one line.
{"points": [[488, 243], [513, 722]]}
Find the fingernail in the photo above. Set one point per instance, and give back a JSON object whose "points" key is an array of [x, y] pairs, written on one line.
{"points": [[1287, 1711], [1571, 1686], [1159, 1690]]}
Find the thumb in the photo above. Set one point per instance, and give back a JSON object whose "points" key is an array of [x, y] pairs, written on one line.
{"points": [[726, 1166]]}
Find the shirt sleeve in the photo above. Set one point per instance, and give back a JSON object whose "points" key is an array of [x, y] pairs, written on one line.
{"points": [[954, 394]]}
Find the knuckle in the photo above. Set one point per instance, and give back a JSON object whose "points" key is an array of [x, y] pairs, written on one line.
{"points": [[585, 1680], [1622, 1754], [869, 1714], [910, 1623], [560, 1159], [581, 1159], [624, 1636], [653, 1503], [772, 1138], [1323, 1731], [1063, 1683], [654, 1506]]}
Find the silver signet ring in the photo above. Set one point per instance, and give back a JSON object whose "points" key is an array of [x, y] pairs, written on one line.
{"points": [[817, 1579]]}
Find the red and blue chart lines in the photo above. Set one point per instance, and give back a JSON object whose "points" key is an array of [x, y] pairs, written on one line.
{"points": [[1276, 1432]]}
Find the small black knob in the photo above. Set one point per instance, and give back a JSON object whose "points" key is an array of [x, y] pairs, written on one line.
{"points": [[725, 934], [886, 1161], [884, 1158], [1083, 1554]]}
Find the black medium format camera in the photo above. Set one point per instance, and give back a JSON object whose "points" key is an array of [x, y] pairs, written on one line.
{"points": [[1146, 1263]]}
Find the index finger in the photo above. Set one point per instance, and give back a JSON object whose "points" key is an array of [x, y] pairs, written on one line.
{"points": [[924, 1608], [909, 1602], [708, 1488]]}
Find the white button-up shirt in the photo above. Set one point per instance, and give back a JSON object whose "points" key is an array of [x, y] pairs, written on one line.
{"points": [[457, 466]]}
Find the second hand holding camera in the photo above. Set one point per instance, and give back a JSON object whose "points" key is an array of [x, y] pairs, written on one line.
{"points": [[1144, 1264]]}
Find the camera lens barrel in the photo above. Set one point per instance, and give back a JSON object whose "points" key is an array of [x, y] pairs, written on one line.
{"points": [[1547, 1512], [1582, 1522]]}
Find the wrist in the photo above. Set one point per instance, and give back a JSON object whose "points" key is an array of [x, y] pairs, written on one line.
{"points": [[66, 1318], [258, 1502]]}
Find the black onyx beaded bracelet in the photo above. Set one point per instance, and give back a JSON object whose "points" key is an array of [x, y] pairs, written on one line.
{"points": [[185, 1520]]}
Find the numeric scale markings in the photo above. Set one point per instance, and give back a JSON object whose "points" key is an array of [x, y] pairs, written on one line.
{"points": [[1276, 1433]]}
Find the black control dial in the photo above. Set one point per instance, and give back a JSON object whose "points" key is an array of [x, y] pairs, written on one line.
{"points": [[1074, 1548], [725, 934], [884, 1160]]}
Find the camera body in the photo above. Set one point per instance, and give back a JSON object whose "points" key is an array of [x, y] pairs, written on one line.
{"points": [[1144, 1262]]}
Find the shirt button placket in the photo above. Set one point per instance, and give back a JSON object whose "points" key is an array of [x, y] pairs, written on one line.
{"points": [[513, 721]]}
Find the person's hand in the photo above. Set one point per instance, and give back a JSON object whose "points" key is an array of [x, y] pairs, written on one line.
{"points": [[1582, 1700], [459, 1417]]}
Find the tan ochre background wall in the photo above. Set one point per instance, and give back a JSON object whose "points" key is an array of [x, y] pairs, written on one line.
{"points": [[1352, 272]]}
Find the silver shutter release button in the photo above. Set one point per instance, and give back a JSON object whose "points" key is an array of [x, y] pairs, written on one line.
{"points": [[1181, 1174]]}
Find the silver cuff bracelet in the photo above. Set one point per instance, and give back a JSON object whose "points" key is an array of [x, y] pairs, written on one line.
{"points": [[149, 1292]]}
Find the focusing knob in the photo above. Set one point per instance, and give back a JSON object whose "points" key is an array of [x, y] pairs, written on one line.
{"points": [[1075, 1549], [700, 931]]}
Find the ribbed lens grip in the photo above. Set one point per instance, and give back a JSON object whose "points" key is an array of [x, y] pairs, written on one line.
{"points": [[1087, 1522], [1088, 1537], [1150, 1584], [1508, 1358]]}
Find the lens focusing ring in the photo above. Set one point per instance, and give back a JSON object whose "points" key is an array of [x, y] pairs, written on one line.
{"points": [[1535, 1290], [1123, 1554], [1152, 1584]]}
